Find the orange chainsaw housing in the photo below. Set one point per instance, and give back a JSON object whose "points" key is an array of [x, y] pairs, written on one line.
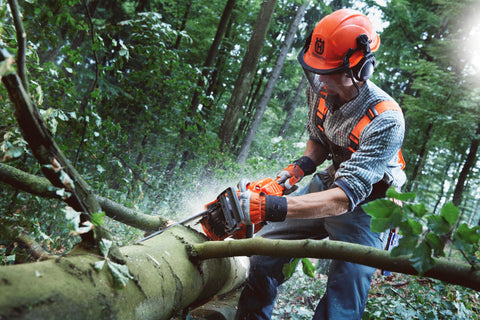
{"points": [[267, 186]]}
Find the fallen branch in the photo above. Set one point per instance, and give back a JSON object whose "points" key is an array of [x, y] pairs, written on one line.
{"points": [[452, 272]]}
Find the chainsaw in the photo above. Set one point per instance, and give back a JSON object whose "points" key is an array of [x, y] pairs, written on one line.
{"points": [[224, 216]]}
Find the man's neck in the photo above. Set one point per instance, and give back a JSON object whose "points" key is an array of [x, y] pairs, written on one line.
{"points": [[349, 94]]}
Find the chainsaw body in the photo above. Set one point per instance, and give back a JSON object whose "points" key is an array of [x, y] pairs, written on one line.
{"points": [[225, 218]]}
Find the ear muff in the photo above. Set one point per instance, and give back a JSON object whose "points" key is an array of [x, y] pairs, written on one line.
{"points": [[364, 69]]}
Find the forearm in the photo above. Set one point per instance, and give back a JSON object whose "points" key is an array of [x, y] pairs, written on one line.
{"points": [[315, 151], [322, 204]]}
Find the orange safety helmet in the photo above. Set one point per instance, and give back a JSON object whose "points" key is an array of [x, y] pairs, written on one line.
{"points": [[339, 42]]}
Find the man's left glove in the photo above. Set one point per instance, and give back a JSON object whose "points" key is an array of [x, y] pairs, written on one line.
{"points": [[292, 174]]}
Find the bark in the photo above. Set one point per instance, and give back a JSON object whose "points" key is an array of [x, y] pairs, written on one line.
{"points": [[467, 167], [165, 282], [42, 187], [449, 271], [247, 72], [267, 93]]}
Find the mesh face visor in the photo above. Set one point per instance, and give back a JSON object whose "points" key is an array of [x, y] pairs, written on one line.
{"points": [[312, 74]]}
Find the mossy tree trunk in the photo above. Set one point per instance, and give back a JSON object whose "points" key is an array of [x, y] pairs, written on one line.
{"points": [[165, 283]]}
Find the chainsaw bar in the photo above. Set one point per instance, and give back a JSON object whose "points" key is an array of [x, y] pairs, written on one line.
{"points": [[198, 215], [226, 208]]}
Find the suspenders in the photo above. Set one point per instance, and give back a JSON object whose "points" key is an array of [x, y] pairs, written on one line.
{"points": [[371, 113]]}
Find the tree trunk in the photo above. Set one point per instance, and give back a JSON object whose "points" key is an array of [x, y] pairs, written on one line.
{"points": [[246, 120], [172, 273], [247, 71], [267, 93], [292, 106], [422, 154], [183, 25], [467, 166], [165, 282], [212, 52]]}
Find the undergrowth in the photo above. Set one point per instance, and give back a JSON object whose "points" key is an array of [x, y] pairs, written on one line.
{"points": [[394, 297]]}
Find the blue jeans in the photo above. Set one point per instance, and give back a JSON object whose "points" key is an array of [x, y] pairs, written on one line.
{"points": [[348, 283]]}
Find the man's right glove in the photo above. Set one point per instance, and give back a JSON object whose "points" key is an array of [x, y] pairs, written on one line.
{"points": [[292, 174], [261, 207]]}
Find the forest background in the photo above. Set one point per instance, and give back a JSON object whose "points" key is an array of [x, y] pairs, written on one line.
{"points": [[142, 97]]}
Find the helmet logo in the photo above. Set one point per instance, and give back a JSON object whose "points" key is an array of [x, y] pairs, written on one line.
{"points": [[319, 46]]}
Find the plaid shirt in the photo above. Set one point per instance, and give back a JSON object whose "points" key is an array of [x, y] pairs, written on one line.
{"points": [[377, 155]]}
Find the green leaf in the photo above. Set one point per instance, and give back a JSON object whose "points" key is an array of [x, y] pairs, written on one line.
{"points": [[308, 268], [121, 274], [438, 224], [421, 258], [418, 210], [405, 245], [13, 153], [289, 268], [380, 224], [415, 226], [392, 193], [450, 213], [105, 246], [99, 265], [381, 208], [436, 243], [72, 217], [97, 218], [467, 234]]}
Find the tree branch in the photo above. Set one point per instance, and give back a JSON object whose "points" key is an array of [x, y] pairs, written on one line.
{"points": [[21, 42], [452, 272], [55, 166], [42, 187]]}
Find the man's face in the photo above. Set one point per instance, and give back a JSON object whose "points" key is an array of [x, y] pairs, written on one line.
{"points": [[337, 84]]}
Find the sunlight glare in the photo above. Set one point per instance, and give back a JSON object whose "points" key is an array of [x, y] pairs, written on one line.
{"points": [[471, 43]]}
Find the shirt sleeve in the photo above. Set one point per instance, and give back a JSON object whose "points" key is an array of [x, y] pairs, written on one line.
{"points": [[379, 143]]}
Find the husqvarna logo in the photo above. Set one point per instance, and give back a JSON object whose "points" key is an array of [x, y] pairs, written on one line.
{"points": [[319, 46]]}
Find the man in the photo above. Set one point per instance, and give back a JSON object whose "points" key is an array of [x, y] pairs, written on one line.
{"points": [[360, 128]]}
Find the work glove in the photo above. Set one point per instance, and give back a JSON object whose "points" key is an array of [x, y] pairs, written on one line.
{"points": [[260, 207], [292, 174]]}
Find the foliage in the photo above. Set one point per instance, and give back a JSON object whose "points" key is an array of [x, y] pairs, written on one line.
{"points": [[298, 297], [393, 297], [405, 297], [424, 234]]}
